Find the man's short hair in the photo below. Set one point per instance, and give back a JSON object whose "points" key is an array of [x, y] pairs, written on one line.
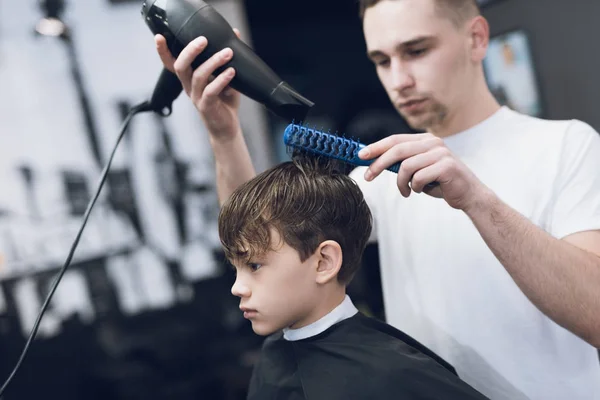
{"points": [[307, 201], [459, 11]]}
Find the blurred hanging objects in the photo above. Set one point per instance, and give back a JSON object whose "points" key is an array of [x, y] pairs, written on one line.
{"points": [[51, 24]]}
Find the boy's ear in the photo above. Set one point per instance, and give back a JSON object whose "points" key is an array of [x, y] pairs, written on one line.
{"points": [[329, 258]]}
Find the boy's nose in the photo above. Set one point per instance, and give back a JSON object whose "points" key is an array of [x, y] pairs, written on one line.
{"points": [[240, 289]]}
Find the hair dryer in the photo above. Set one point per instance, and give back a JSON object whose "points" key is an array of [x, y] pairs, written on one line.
{"points": [[181, 21]]}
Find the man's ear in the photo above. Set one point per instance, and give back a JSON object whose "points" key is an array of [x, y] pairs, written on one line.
{"points": [[480, 36], [329, 259]]}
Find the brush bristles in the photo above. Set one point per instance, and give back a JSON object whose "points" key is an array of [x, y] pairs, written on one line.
{"points": [[318, 142]]}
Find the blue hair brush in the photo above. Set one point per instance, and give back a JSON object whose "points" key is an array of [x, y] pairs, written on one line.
{"points": [[298, 137], [313, 141]]}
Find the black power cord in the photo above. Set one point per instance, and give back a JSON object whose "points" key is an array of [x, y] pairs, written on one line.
{"points": [[142, 107]]}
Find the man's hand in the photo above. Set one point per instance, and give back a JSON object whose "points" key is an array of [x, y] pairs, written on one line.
{"points": [[425, 159], [217, 103]]}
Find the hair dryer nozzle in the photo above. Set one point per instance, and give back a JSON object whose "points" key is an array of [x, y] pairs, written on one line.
{"points": [[289, 104]]}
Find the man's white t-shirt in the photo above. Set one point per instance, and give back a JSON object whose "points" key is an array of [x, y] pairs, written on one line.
{"points": [[442, 284]]}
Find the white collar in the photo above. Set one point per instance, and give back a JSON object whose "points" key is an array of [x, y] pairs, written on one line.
{"points": [[345, 310]]}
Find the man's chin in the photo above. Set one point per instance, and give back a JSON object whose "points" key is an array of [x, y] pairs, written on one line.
{"points": [[422, 121], [417, 123], [426, 119]]}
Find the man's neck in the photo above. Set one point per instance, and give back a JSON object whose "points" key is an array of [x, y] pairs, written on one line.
{"points": [[473, 111]]}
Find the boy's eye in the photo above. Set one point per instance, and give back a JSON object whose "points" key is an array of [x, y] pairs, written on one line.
{"points": [[254, 266]]}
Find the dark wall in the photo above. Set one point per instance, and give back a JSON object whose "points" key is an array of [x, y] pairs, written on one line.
{"points": [[562, 35]]}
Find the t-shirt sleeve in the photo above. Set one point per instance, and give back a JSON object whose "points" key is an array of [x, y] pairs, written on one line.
{"points": [[357, 175], [576, 204]]}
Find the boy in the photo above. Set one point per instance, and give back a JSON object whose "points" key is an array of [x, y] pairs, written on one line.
{"points": [[296, 234]]}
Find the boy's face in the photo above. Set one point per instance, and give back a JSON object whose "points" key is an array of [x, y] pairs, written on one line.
{"points": [[278, 290]]}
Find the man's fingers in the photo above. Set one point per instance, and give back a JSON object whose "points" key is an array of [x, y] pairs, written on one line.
{"points": [[411, 166], [183, 64], [229, 91], [206, 69], [164, 53], [400, 152], [218, 85], [237, 33], [427, 180], [378, 148]]}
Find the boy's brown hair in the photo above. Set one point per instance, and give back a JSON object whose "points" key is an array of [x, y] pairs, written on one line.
{"points": [[307, 201]]}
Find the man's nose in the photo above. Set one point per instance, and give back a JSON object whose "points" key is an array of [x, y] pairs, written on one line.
{"points": [[402, 77]]}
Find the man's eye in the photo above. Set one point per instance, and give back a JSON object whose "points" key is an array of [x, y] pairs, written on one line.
{"points": [[417, 52], [382, 63]]}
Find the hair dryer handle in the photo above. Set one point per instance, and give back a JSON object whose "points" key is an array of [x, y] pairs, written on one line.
{"points": [[167, 89]]}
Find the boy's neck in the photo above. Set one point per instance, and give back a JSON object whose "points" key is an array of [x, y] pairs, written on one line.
{"points": [[327, 303], [344, 310]]}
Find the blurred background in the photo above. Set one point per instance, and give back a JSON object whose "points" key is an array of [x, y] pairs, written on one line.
{"points": [[145, 311]]}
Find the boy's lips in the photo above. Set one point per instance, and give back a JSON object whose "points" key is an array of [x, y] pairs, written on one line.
{"points": [[248, 312]]}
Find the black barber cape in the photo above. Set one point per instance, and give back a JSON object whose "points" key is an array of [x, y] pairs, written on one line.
{"points": [[357, 358]]}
